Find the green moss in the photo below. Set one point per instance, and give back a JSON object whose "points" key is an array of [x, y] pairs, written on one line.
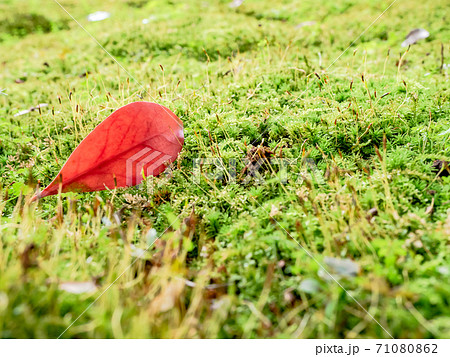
{"points": [[360, 132]]}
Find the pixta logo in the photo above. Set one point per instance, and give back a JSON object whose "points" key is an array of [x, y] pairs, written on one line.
{"points": [[255, 172], [147, 161]]}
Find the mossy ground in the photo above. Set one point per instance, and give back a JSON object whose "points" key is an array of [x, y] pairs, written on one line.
{"points": [[239, 79]]}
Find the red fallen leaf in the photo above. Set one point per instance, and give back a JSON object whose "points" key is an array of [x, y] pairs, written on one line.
{"points": [[139, 136]]}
